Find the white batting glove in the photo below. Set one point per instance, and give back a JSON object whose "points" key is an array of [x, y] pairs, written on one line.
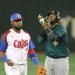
{"points": [[41, 19]]}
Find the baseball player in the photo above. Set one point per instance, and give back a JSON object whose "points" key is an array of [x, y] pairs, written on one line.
{"points": [[54, 37], [15, 46]]}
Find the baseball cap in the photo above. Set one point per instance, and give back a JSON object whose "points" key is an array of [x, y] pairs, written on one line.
{"points": [[15, 16]]}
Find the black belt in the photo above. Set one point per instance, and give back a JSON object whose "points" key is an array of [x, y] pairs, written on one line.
{"points": [[57, 57]]}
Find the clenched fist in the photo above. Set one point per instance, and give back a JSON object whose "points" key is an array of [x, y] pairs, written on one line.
{"points": [[10, 62]]}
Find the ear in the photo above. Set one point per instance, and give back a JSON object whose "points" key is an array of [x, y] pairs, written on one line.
{"points": [[11, 22]]}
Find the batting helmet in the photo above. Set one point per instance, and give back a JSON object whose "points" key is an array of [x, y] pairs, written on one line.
{"points": [[56, 13]]}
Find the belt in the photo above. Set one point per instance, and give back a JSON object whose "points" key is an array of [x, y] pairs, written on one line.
{"points": [[57, 57]]}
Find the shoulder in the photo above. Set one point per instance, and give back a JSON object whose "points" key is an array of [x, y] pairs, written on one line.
{"points": [[4, 34], [60, 26], [26, 33]]}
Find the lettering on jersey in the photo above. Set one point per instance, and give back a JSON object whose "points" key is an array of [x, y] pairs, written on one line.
{"points": [[20, 44]]}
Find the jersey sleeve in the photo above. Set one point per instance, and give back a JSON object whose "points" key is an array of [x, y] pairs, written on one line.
{"points": [[42, 37], [59, 32], [31, 45], [3, 43]]}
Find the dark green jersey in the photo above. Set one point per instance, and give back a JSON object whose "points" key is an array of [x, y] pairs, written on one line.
{"points": [[56, 43]]}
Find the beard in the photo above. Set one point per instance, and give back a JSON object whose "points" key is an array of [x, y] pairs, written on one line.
{"points": [[17, 28], [52, 22]]}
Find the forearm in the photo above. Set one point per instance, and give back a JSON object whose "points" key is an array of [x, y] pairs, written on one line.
{"points": [[50, 34], [35, 60], [3, 56], [42, 37], [33, 56]]}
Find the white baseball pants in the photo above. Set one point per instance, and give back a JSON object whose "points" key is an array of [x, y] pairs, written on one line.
{"points": [[17, 69]]}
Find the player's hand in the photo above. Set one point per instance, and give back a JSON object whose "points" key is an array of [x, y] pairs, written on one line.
{"points": [[39, 17], [45, 25], [10, 62]]}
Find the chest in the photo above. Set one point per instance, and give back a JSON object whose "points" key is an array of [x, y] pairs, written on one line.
{"points": [[18, 40]]}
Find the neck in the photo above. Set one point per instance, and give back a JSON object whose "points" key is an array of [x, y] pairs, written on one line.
{"points": [[18, 31], [53, 25]]}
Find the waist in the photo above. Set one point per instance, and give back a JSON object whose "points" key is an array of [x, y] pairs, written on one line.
{"points": [[57, 57]]}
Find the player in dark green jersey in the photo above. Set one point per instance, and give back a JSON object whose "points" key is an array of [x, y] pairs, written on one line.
{"points": [[54, 37]]}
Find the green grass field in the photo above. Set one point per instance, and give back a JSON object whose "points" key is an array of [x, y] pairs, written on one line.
{"points": [[32, 67]]}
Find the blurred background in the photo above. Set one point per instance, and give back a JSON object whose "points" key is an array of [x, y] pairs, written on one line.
{"points": [[30, 10]]}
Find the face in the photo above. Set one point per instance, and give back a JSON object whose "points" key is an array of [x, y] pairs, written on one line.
{"points": [[52, 18], [17, 24]]}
